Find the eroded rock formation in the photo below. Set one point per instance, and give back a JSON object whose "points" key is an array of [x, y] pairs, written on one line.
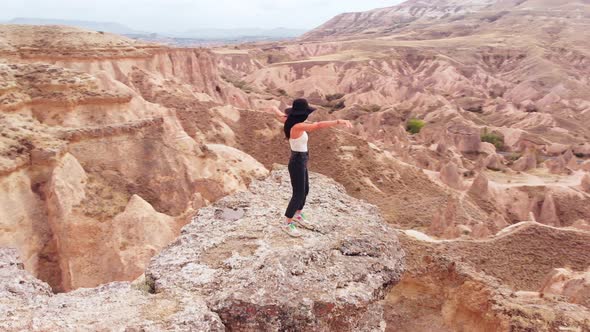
{"points": [[575, 286]]}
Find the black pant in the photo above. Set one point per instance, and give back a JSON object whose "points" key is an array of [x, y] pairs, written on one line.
{"points": [[299, 182]]}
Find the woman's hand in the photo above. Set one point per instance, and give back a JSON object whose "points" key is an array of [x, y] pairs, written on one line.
{"points": [[346, 123], [281, 116]]}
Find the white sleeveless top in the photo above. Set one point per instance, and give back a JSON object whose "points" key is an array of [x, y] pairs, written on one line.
{"points": [[299, 144]]}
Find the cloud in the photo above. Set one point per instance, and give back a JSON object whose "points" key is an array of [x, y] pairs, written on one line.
{"points": [[181, 15]]}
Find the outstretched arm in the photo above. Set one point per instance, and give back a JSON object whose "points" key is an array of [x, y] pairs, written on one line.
{"points": [[323, 124], [280, 115]]}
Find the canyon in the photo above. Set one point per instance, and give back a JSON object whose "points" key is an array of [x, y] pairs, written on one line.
{"points": [[152, 174]]}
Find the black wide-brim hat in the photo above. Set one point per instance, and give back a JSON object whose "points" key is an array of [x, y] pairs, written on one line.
{"points": [[300, 108]]}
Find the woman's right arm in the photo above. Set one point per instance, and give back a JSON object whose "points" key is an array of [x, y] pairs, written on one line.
{"points": [[322, 124]]}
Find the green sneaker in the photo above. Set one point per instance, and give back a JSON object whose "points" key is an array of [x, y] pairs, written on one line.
{"points": [[302, 220], [291, 230]]}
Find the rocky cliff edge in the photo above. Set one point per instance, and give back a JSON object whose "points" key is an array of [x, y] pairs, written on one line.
{"points": [[232, 268]]}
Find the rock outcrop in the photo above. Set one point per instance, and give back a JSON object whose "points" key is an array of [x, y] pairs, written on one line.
{"points": [[255, 277], [527, 162], [549, 215], [27, 304], [586, 183], [479, 188], [558, 166], [575, 286], [494, 162], [233, 268], [451, 176]]}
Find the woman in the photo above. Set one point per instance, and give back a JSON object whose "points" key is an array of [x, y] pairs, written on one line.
{"points": [[296, 131]]}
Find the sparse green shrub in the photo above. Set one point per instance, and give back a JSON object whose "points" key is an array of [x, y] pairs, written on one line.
{"points": [[415, 125], [335, 96], [493, 138]]}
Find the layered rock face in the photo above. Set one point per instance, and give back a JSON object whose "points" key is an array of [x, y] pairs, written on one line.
{"points": [[419, 19], [97, 179], [468, 285], [233, 268], [393, 19]]}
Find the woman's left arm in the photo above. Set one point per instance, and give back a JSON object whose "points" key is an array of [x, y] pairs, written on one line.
{"points": [[280, 115]]}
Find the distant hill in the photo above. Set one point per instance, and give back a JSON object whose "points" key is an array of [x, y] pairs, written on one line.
{"points": [[240, 33], [185, 38], [111, 27], [432, 19]]}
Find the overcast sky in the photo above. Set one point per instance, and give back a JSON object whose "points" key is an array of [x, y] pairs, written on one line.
{"points": [[181, 15]]}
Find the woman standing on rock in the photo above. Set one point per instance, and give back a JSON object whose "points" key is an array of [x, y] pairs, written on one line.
{"points": [[296, 131]]}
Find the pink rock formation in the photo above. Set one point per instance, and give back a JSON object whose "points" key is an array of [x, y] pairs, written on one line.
{"points": [[496, 222], [451, 176], [557, 149], [140, 232], [572, 164], [487, 148], [443, 223], [575, 286], [481, 231], [549, 215], [557, 166], [568, 155], [466, 139], [479, 187], [81, 140], [527, 162], [494, 162], [586, 183]]}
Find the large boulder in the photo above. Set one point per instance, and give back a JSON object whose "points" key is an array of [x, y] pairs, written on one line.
{"points": [[494, 162], [574, 286], [568, 155], [558, 166], [527, 162], [235, 255], [487, 148]]}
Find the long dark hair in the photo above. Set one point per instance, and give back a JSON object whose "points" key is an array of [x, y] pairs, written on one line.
{"points": [[291, 121]]}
